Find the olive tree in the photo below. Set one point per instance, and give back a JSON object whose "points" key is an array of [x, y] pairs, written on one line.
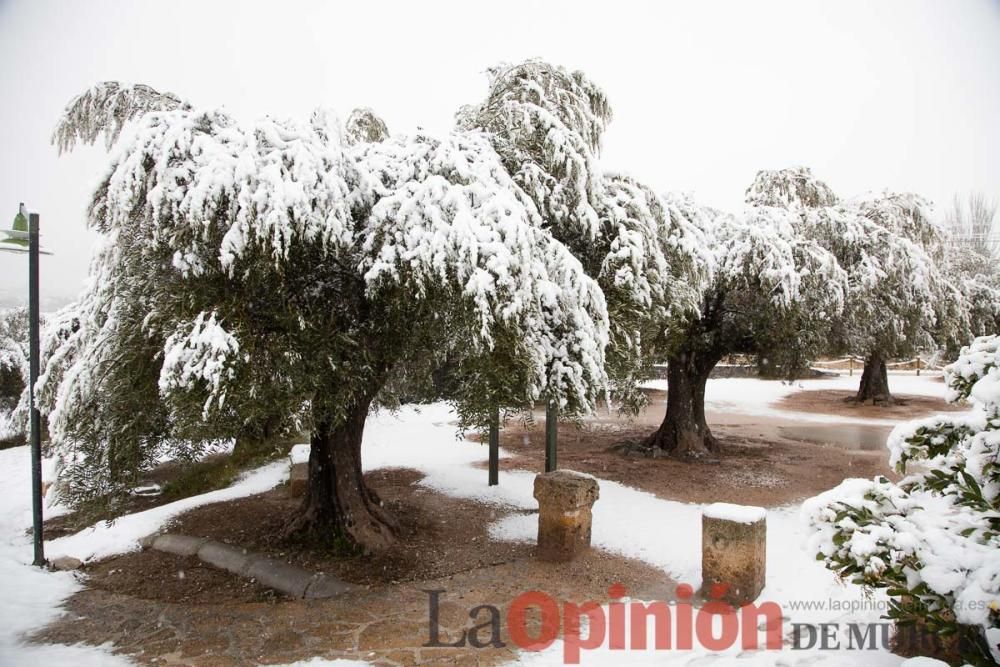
{"points": [[547, 123], [773, 289], [276, 264], [899, 301]]}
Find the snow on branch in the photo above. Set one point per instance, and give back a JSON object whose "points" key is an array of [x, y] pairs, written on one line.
{"points": [[219, 190], [446, 211], [547, 123], [364, 126], [795, 189], [202, 357], [933, 537], [105, 109]]}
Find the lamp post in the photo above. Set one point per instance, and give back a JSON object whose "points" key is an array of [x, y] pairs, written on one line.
{"points": [[23, 238]]}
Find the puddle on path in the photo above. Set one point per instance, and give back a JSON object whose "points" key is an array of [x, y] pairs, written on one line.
{"points": [[846, 436]]}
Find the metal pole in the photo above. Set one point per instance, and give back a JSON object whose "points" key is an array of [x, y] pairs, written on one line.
{"points": [[35, 418], [551, 430], [495, 447]]}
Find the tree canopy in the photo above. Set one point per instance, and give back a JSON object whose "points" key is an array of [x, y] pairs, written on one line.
{"points": [[900, 300], [274, 264]]}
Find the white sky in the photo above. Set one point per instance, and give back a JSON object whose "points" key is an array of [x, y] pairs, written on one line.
{"points": [[902, 95]]}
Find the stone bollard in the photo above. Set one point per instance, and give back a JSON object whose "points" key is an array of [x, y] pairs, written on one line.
{"points": [[565, 499], [298, 478], [733, 551]]}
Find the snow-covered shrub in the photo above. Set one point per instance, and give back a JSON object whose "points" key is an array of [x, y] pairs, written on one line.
{"points": [[13, 374], [932, 539]]}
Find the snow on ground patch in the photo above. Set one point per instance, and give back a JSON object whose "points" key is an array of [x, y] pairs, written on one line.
{"points": [[30, 597], [105, 539]]}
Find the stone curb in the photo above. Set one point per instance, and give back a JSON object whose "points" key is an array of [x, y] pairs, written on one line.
{"points": [[291, 580]]}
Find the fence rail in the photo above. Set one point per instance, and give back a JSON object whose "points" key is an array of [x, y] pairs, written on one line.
{"points": [[848, 363]]}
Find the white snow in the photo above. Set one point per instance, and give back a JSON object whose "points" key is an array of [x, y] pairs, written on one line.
{"points": [[30, 597], [106, 539], [735, 513], [299, 453], [640, 525]]}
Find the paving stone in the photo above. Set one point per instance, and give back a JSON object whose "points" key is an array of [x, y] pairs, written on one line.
{"points": [[325, 586]]}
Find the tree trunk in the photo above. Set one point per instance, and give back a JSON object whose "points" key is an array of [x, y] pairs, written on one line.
{"points": [[338, 507], [684, 431], [874, 382]]}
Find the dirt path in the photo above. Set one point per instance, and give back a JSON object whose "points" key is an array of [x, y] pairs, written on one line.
{"points": [[837, 402], [758, 465]]}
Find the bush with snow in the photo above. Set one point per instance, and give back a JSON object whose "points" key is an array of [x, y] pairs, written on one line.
{"points": [[932, 539], [13, 373]]}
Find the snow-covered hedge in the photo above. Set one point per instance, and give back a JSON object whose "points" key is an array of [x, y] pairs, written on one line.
{"points": [[934, 537]]}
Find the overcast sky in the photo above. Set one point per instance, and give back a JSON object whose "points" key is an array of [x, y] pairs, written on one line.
{"points": [[871, 95]]}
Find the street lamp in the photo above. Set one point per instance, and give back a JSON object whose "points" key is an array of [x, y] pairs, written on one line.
{"points": [[23, 238]]}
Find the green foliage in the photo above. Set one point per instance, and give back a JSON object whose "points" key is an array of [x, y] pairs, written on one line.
{"points": [[933, 539]]}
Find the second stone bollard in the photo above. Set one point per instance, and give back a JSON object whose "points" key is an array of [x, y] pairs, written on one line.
{"points": [[565, 499], [733, 554]]}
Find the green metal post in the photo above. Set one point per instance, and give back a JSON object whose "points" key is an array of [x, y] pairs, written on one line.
{"points": [[551, 431], [34, 416], [495, 447]]}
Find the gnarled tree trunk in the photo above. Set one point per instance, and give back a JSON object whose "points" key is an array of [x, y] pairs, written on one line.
{"points": [[684, 430], [338, 505], [874, 382]]}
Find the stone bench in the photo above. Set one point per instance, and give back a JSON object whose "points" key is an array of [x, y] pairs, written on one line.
{"points": [[733, 552], [565, 499]]}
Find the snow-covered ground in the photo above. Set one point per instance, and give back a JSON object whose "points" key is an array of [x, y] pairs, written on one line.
{"points": [[30, 597], [663, 533]]}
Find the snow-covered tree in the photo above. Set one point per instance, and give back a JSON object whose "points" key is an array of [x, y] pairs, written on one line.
{"points": [[933, 538], [900, 301], [546, 123], [275, 265], [364, 126], [772, 289], [794, 188], [977, 275], [13, 374]]}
